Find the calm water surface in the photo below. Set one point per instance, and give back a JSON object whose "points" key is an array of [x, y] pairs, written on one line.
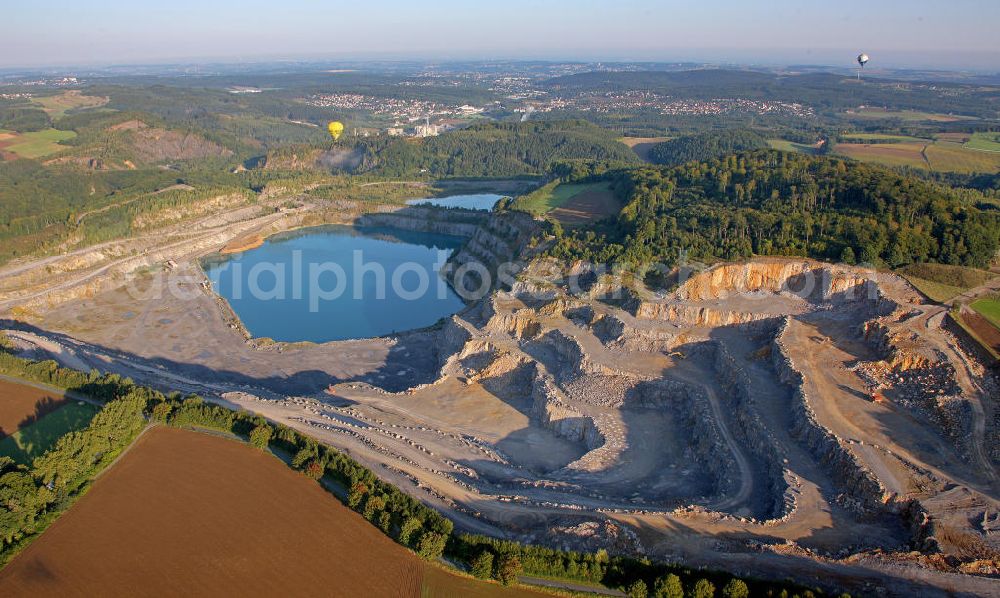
{"points": [[477, 201], [287, 289]]}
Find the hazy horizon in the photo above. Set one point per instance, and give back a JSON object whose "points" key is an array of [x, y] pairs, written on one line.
{"points": [[917, 34]]}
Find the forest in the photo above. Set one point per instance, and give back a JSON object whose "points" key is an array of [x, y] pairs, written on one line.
{"points": [[496, 150], [777, 203], [705, 146]]}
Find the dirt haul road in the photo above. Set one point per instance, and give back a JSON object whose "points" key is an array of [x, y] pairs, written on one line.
{"points": [[533, 413]]}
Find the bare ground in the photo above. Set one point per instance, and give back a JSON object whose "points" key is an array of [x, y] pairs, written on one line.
{"points": [[728, 423], [21, 405], [234, 521]]}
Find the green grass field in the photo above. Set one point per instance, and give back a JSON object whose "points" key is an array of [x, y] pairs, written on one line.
{"points": [[989, 309], [30, 442], [942, 282], [38, 144], [790, 146], [57, 106], [941, 155], [951, 157], [908, 115], [986, 142], [936, 291], [551, 196], [886, 154], [867, 137]]}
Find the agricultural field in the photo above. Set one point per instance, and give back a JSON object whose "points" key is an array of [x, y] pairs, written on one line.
{"points": [[549, 197], [592, 203], [439, 583], [942, 282], [880, 137], [950, 157], [989, 309], [984, 330], [58, 105], [987, 142], [939, 156], [791, 146], [35, 144], [906, 115], [22, 405], [887, 154], [953, 137], [236, 521], [49, 418]]}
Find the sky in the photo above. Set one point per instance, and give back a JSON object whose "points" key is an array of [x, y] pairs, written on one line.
{"points": [[896, 33]]}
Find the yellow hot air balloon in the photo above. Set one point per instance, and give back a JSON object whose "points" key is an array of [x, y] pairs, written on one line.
{"points": [[336, 129]]}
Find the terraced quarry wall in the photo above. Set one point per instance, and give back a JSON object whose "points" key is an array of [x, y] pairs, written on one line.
{"points": [[732, 418]]}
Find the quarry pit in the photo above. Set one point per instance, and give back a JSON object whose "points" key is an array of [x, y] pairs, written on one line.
{"points": [[820, 418]]}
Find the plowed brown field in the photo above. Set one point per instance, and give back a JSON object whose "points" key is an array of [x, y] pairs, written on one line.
{"points": [[21, 405], [587, 206], [188, 514], [986, 331]]}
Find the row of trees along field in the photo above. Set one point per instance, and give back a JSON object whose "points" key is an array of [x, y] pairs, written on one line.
{"points": [[398, 515], [32, 497], [778, 203]]}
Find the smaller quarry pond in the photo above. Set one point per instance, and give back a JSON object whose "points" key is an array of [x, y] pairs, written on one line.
{"points": [[477, 201], [338, 282]]}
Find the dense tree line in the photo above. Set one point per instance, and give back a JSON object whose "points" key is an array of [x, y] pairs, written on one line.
{"points": [[495, 150], [503, 560], [33, 495], [23, 119], [705, 146], [400, 516], [40, 205], [777, 203]]}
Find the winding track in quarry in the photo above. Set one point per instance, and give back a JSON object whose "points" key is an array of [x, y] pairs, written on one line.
{"points": [[742, 495], [726, 423]]}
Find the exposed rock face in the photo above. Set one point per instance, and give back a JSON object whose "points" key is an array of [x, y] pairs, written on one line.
{"points": [[707, 445], [463, 223], [695, 315], [754, 282], [829, 449], [454, 336], [806, 279], [591, 536], [520, 324], [615, 333], [489, 259], [306, 158], [555, 414], [900, 349], [153, 145], [567, 405], [754, 433]]}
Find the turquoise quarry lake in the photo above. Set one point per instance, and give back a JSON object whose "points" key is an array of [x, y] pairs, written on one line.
{"points": [[338, 282], [476, 201]]}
